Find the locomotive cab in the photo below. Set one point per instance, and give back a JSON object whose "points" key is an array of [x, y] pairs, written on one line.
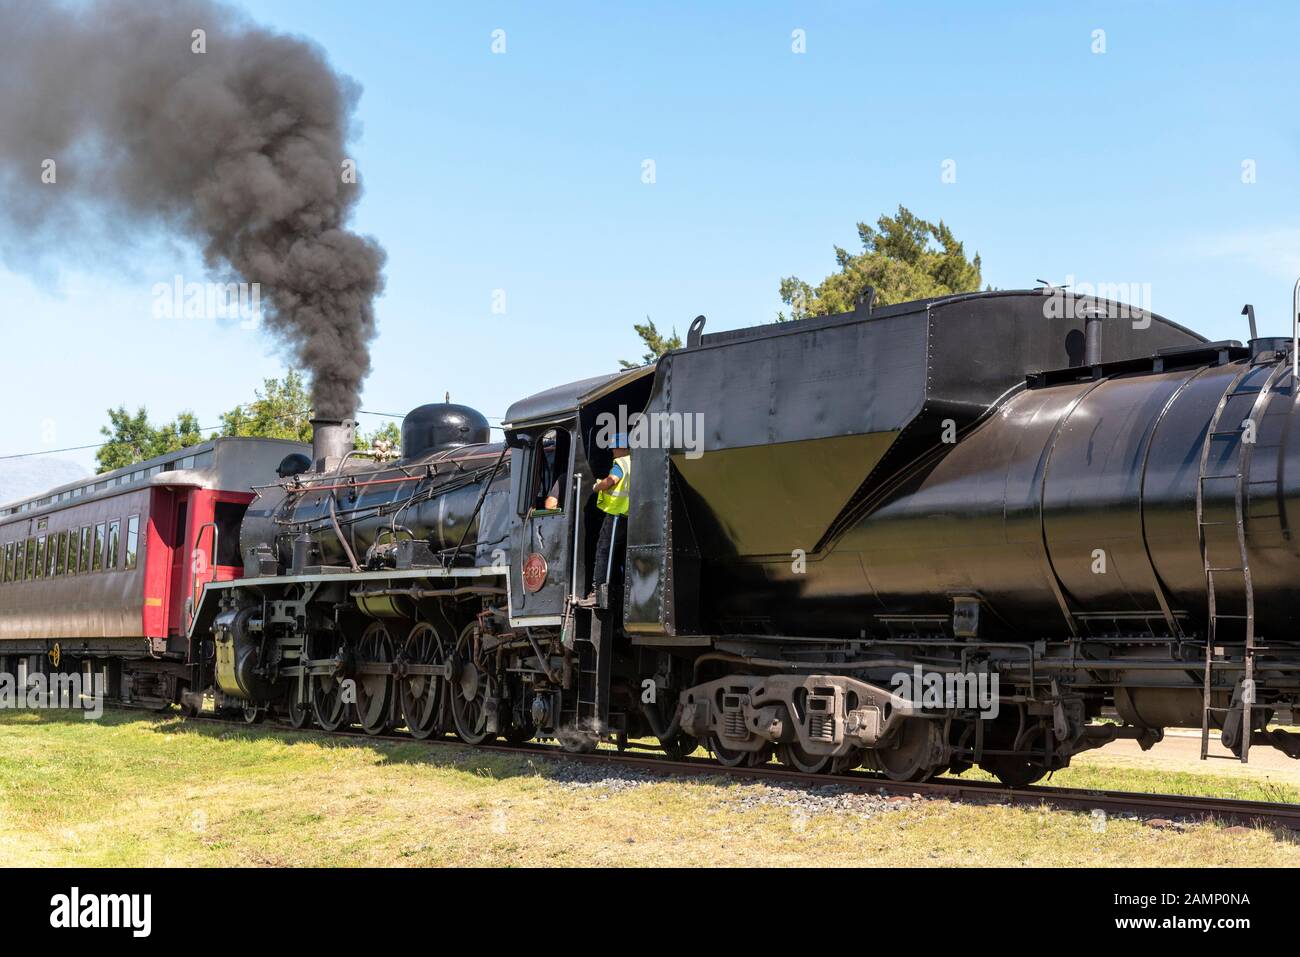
{"points": [[559, 443], [544, 490]]}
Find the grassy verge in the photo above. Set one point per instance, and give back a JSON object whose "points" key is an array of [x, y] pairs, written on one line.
{"points": [[1104, 777], [138, 789]]}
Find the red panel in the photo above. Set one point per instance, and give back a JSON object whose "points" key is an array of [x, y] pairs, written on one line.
{"points": [[157, 561], [201, 538], [174, 574]]}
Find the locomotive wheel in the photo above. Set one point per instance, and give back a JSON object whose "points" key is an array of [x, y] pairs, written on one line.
{"points": [[519, 733], [327, 699], [792, 754], [1012, 771], [846, 763], [679, 746], [734, 758], [471, 687], [328, 704], [422, 695], [1017, 770], [910, 757], [375, 691], [299, 714], [252, 713]]}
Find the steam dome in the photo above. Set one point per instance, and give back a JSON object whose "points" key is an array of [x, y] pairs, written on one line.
{"points": [[442, 425]]}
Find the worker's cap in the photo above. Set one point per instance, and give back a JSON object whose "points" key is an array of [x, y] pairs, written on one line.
{"points": [[619, 441]]}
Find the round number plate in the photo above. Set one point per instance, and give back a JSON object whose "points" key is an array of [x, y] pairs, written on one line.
{"points": [[534, 572]]}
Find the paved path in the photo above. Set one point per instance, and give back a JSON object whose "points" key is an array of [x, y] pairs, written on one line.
{"points": [[1181, 751]]}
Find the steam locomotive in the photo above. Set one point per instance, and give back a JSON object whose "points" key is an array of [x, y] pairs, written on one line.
{"points": [[1075, 511]]}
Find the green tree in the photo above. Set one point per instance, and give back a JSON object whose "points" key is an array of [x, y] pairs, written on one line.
{"points": [[904, 258], [132, 438], [281, 410], [655, 343], [390, 433]]}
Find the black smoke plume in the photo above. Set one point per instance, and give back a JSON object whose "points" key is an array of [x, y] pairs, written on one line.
{"points": [[240, 148]]}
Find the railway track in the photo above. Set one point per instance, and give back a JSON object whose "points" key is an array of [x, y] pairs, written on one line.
{"points": [[1231, 810]]}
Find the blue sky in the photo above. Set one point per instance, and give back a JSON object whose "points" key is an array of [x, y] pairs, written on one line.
{"points": [[522, 172]]}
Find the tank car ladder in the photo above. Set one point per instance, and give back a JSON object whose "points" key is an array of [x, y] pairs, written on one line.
{"points": [[1241, 453]]}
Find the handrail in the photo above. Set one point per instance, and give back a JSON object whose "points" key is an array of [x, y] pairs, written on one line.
{"points": [[577, 525]]}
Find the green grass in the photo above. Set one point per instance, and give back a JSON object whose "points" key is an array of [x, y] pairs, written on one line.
{"points": [[137, 789]]}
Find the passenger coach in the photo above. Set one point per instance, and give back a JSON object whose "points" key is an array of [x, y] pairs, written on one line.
{"points": [[104, 571]]}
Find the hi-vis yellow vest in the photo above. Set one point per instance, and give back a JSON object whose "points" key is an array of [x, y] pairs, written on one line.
{"points": [[615, 500]]}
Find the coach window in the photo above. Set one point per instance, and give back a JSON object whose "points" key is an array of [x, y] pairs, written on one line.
{"points": [[97, 549], [72, 551], [39, 571], [132, 540], [83, 550], [114, 529], [20, 565], [62, 565], [8, 573]]}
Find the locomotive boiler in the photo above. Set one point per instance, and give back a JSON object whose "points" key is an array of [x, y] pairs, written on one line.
{"points": [[990, 530]]}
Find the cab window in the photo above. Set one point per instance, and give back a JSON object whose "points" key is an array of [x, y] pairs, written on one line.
{"points": [[550, 472]]}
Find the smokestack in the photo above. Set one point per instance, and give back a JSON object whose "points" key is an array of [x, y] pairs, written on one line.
{"points": [[331, 439], [127, 117]]}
